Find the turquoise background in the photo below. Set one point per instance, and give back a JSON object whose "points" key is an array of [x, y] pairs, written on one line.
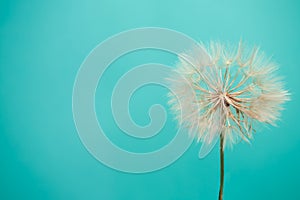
{"points": [[43, 43]]}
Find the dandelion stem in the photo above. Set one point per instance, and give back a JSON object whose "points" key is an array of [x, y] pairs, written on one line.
{"points": [[221, 166]]}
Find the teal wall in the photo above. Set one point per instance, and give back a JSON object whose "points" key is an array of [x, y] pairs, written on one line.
{"points": [[42, 45]]}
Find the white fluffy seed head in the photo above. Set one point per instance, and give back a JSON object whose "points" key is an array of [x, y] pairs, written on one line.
{"points": [[223, 90]]}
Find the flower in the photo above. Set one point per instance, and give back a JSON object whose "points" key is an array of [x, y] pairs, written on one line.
{"points": [[223, 91]]}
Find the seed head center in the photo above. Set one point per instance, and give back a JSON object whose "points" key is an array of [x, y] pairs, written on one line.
{"points": [[223, 96]]}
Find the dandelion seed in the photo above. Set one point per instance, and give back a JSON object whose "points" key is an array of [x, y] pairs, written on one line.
{"points": [[219, 92]]}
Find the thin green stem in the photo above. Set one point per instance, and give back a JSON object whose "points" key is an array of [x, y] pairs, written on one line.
{"points": [[221, 166]]}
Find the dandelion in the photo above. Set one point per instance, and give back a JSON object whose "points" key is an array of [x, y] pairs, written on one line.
{"points": [[222, 92]]}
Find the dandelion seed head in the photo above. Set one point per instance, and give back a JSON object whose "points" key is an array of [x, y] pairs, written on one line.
{"points": [[219, 89]]}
